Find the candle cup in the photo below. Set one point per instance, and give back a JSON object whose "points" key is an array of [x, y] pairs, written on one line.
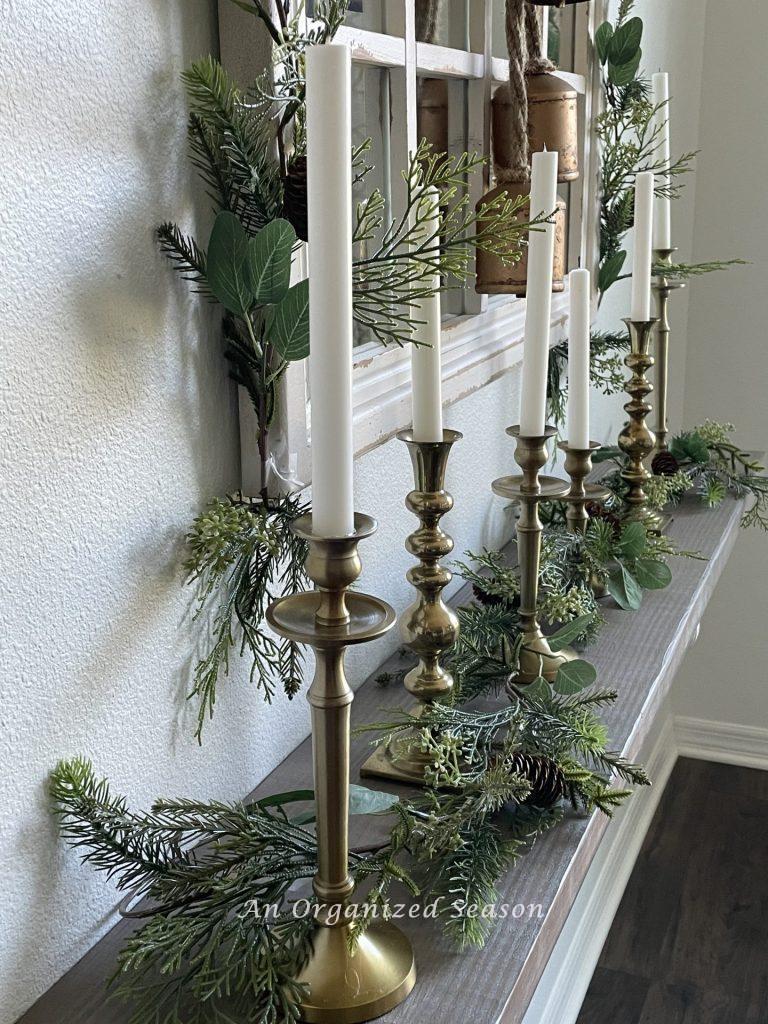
{"points": [[344, 986], [578, 466], [536, 656], [428, 626], [636, 440], [663, 287]]}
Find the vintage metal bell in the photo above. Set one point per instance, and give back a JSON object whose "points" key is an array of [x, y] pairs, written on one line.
{"points": [[552, 123], [432, 105], [493, 277]]}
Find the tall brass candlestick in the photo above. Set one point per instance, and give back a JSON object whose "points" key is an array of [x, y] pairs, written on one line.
{"points": [[578, 466], [636, 439], [428, 626], [536, 657], [663, 286], [345, 987]]}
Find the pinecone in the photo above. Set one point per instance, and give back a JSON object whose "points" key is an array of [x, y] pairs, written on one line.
{"points": [[664, 464], [295, 197], [598, 511], [546, 779]]}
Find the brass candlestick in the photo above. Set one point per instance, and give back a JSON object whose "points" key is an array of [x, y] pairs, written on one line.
{"points": [[578, 466], [663, 286], [345, 987], [536, 656], [636, 439], [428, 626]]}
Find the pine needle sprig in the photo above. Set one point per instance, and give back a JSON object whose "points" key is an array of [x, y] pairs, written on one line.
{"points": [[185, 254], [241, 556]]}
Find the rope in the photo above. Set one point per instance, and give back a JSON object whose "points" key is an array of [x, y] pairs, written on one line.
{"points": [[516, 42], [426, 20], [537, 64]]}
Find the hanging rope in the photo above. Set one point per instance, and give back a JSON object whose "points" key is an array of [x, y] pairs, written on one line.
{"points": [[537, 64], [426, 20], [518, 94]]}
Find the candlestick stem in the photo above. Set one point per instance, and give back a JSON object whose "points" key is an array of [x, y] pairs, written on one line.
{"points": [[536, 656], [578, 466], [663, 286], [345, 986], [428, 626]]}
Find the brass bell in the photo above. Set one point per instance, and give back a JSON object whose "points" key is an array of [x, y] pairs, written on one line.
{"points": [[432, 113], [493, 277], [553, 122]]}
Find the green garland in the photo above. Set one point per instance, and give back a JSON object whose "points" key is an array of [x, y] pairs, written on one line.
{"points": [[705, 462]]}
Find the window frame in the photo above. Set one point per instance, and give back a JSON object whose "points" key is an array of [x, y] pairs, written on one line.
{"points": [[486, 340]]}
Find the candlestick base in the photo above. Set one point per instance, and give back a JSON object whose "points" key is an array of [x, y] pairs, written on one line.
{"points": [[401, 759], [351, 987]]}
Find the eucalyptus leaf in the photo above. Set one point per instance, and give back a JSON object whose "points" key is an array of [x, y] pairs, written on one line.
{"points": [[623, 74], [361, 801], [610, 270], [269, 262], [227, 264], [624, 588], [603, 38], [569, 632], [288, 323], [574, 676], [370, 801], [539, 689], [633, 540], [652, 574], [691, 447], [625, 42]]}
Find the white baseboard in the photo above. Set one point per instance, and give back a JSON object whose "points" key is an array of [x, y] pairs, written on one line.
{"points": [[726, 742], [569, 971]]}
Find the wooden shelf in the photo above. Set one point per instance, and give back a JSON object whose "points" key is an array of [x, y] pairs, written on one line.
{"points": [[638, 654]]}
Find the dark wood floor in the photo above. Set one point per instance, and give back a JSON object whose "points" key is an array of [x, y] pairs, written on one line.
{"points": [[689, 944]]}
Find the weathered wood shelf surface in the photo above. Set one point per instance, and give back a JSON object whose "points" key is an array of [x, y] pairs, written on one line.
{"points": [[638, 655]]}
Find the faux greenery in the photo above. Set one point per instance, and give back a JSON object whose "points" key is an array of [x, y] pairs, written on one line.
{"points": [[704, 461], [241, 556], [203, 953]]}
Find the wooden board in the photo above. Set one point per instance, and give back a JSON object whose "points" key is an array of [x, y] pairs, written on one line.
{"points": [[637, 654]]}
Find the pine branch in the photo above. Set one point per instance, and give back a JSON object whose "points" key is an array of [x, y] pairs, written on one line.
{"points": [[185, 254]]}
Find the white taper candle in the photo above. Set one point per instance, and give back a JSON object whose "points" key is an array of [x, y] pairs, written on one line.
{"points": [[329, 199], [538, 309], [641, 267], [578, 359], [426, 364], [662, 208]]}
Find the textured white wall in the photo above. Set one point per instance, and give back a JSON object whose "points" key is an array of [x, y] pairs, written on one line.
{"points": [[724, 678]]}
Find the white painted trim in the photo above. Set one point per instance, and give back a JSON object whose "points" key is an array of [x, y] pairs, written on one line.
{"points": [[725, 742], [568, 973], [389, 51]]}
